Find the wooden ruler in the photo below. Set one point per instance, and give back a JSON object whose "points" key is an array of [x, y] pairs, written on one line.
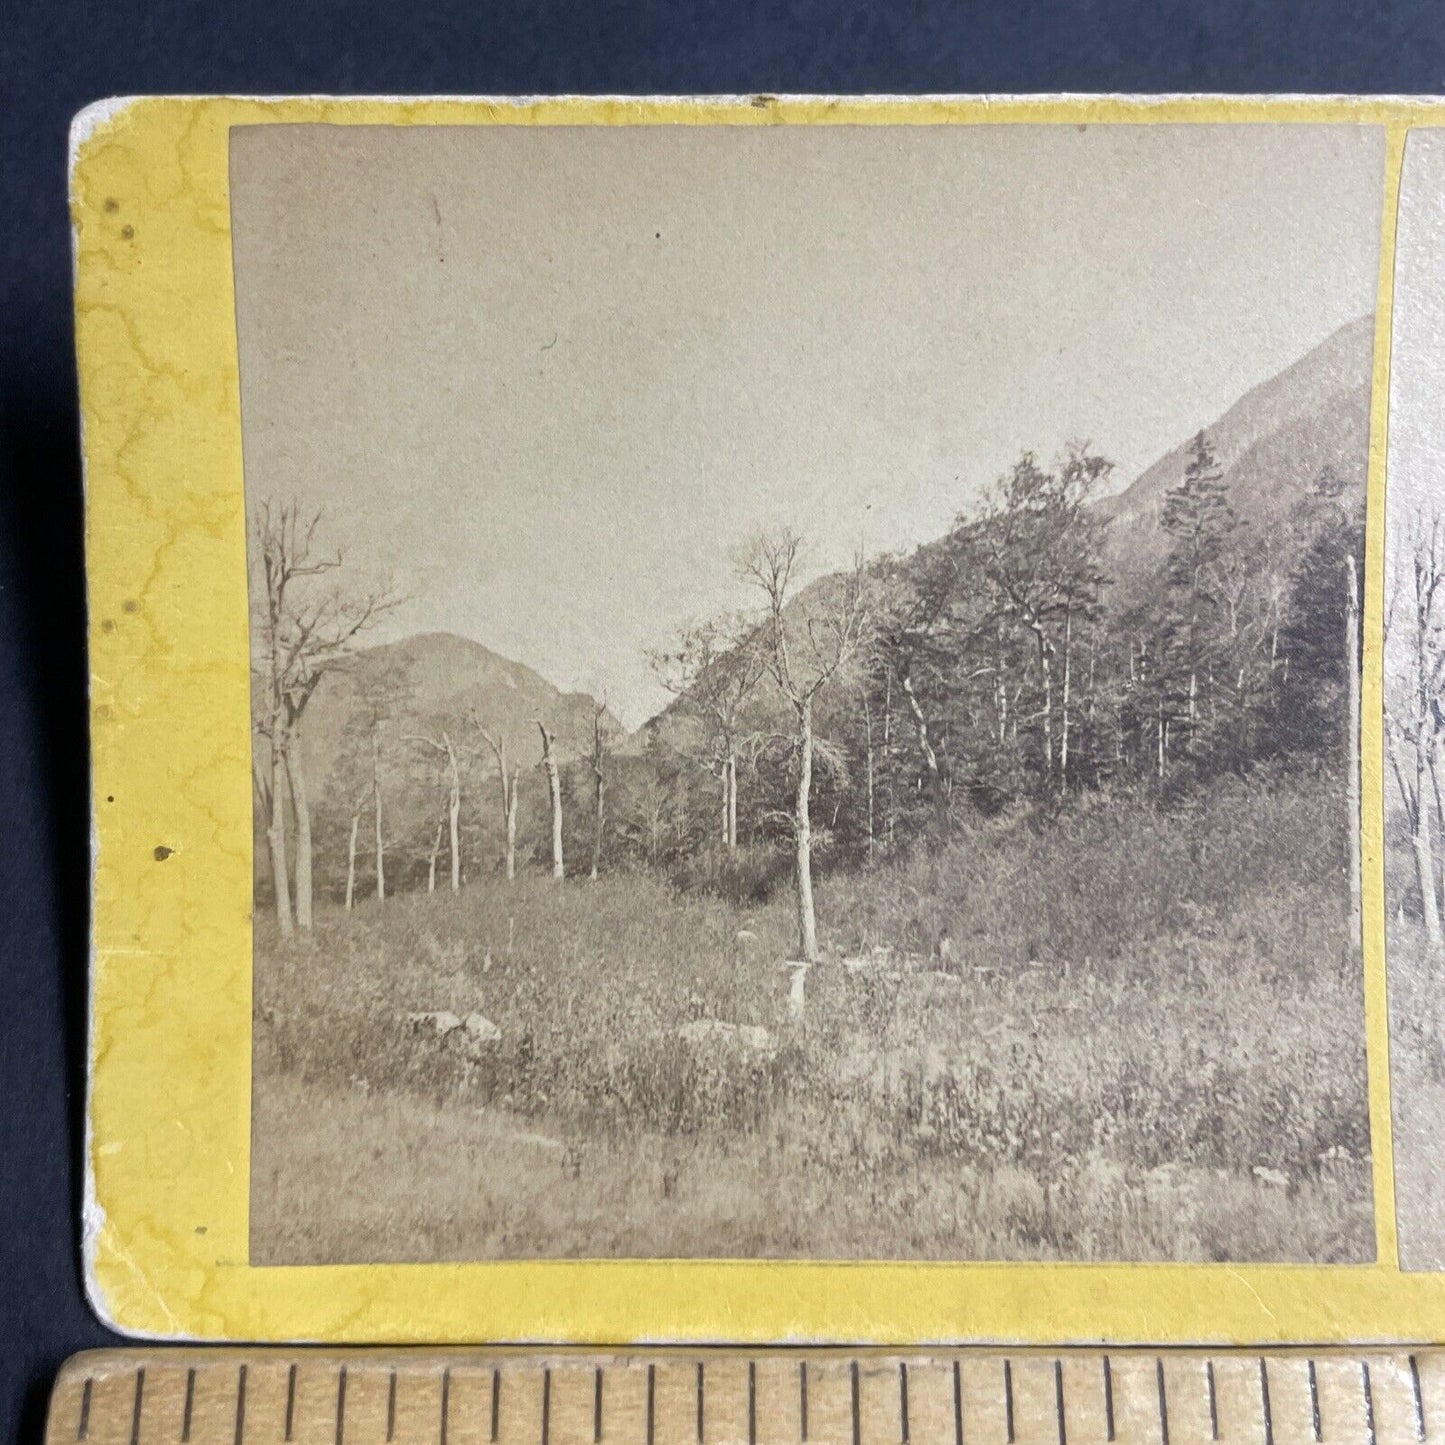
{"points": [[734, 1397]]}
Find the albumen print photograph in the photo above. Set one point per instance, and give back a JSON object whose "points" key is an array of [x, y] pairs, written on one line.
{"points": [[1414, 720], [806, 689]]}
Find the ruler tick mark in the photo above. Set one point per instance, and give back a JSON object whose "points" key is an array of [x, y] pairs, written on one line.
{"points": [[1315, 1403], [803, 1401], [1369, 1400], [391, 1406], [82, 1428], [140, 1390], [1008, 1399], [903, 1398], [700, 1373], [1419, 1398], [290, 1400], [447, 1405], [853, 1379], [957, 1404], [189, 1405], [753, 1403], [240, 1404], [496, 1402], [1163, 1400], [1213, 1401], [1059, 1401], [1264, 1401], [1108, 1399], [546, 1405], [651, 1397], [597, 1405], [341, 1407]]}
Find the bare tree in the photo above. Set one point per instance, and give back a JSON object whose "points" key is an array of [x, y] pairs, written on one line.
{"points": [[715, 669], [305, 627], [444, 747], [376, 816], [1413, 714], [508, 782], [597, 760], [554, 787], [358, 806], [805, 652], [1352, 737]]}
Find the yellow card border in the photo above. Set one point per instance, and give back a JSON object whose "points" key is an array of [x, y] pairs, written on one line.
{"points": [[168, 1145]]}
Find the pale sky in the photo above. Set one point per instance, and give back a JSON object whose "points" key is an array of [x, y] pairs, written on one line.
{"points": [[1416, 475], [549, 378]]}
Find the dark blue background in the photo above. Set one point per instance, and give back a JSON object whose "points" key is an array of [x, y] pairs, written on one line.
{"points": [[56, 57]]}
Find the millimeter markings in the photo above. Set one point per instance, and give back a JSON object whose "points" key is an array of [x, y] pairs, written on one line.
{"points": [[728, 1397]]}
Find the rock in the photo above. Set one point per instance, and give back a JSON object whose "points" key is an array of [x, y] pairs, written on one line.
{"points": [[750, 1036], [797, 985], [480, 1029], [440, 1021], [1275, 1178]]}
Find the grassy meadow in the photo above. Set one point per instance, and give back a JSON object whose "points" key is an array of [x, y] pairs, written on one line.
{"points": [[974, 1075], [1417, 1061]]}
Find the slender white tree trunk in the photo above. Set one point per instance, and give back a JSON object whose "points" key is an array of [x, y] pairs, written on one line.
{"points": [[510, 804], [599, 819], [1064, 707], [454, 812], [1046, 672], [301, 807], [868, 769], [436, 847], [732, 802], [1424, 846], [803, 833], [376, 817], [1352, 737], [930, 755], [554, 786], [351, 862], [276, 834]]}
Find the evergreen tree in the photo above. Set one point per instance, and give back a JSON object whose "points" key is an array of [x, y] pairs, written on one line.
{"points": [[1201, 524]]}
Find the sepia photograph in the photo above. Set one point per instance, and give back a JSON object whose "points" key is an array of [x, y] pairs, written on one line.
{"points": [[806, 692], [1414, 721]]}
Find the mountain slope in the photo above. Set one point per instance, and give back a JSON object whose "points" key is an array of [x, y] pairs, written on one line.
{"points": [[1272, 445], [439, 679]]}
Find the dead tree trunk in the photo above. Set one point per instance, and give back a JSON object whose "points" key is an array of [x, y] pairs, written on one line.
{"points": [[930, 755], [436, 847], [454, 799], [554, 787], [1064, 705], [868, 769], [1423, 844], [376, 816], [732, 801], [351, 861], [803, 836], [301, 808], [508, 782], [1352, 737], [599, 789], [454, 812], [276, 835], [1046, 672]]}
